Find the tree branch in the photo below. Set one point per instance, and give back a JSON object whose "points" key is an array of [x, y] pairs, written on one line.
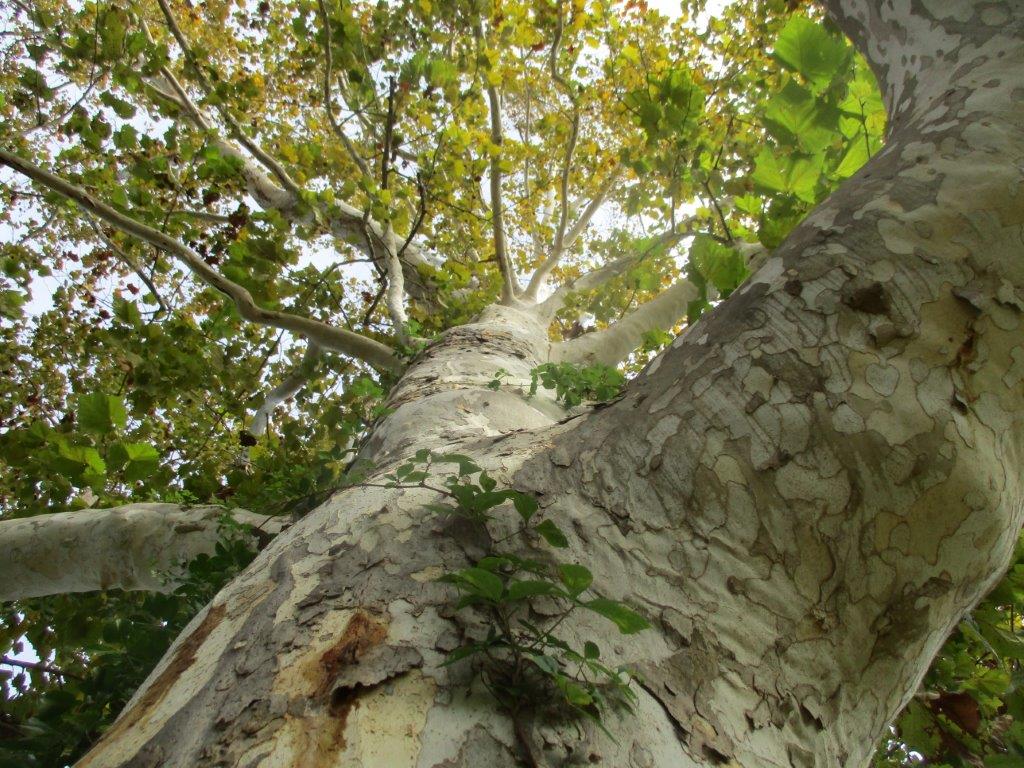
{"points": [[570, 237], [302, 373], [508, 284], [574, 133], [130, 263], [328, 99], [616, 342], [595, 279], [236, 130], [394, 297], [328, 337], [133, 547], [345, 222]]}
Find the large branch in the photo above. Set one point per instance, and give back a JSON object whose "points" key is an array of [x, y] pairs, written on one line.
{"points": [[338, 339], [598, 277], [616, 342], [134, 547]]}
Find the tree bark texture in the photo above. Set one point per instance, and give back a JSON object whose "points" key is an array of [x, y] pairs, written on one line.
{"points": [[804, 494], [134, 547]]}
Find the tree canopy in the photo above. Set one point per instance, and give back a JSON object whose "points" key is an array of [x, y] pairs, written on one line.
{"points": [[211, 209]]}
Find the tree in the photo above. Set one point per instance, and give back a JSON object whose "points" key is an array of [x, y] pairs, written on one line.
{"points": [[749, 556]]}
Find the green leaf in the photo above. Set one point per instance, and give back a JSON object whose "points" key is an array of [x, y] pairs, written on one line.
{"points": [[805, 47], [575, 577], [139, 460], [625, 619], [795, 116], [99, 413], [466, 465], [525, 504], [856, 155], [591, 651], [552, 534], [574, 693], [720, 265], [796, 174], [460, 653], [478, 581], [521, 590]]}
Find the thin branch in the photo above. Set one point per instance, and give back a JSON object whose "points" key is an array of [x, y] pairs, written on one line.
{"points": [[592, 207], [129, 262], [574, 132], [236, 130], [38, 667], [213, 218], [302, 373], [508, 285], [328, 99], [328, 337], [570, 237], [373, 305], [718, 210], [420, 216]]}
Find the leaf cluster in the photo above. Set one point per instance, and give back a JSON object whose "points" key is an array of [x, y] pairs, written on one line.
{"points": [[522, 659]]}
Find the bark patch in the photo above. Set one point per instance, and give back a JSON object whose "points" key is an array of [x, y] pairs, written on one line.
{"points": [[870, 299], [361, 634]]}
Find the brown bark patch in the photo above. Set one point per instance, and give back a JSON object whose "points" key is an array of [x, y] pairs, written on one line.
{"points": [[183, 657], [361, 634], [870, 299]]}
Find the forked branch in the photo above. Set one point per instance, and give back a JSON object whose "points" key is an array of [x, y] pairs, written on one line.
{"points": [[338, 339]]}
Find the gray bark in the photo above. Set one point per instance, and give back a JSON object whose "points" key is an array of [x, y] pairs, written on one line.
{"points": [[804, 494]]}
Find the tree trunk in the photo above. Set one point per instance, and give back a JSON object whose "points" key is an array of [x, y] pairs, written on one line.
{"points": [[804, 494]]}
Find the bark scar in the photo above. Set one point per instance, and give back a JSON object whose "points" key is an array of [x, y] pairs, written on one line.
{"points": [[361, 634]]}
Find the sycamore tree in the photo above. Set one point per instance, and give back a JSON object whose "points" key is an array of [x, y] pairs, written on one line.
{"points": [[456, 383]]}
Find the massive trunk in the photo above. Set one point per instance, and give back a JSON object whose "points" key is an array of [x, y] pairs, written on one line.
{"points": [[804, 494]]}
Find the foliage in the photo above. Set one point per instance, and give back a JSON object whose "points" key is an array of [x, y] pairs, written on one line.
{"points": [[523, 662], [121, 380], [575, 383]]}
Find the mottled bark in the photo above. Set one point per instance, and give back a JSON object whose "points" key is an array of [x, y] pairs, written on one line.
{"points": [[134, 547], [804, 494]]}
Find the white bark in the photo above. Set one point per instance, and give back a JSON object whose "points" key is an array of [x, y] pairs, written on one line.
{"points": [[804, 494], [615, 343], [134, 547]]}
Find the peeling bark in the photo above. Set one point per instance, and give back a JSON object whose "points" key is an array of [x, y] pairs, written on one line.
{"points": [[804, 494]]}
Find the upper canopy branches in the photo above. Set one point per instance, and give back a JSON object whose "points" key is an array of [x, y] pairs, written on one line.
{"points": [[464, 151]]}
